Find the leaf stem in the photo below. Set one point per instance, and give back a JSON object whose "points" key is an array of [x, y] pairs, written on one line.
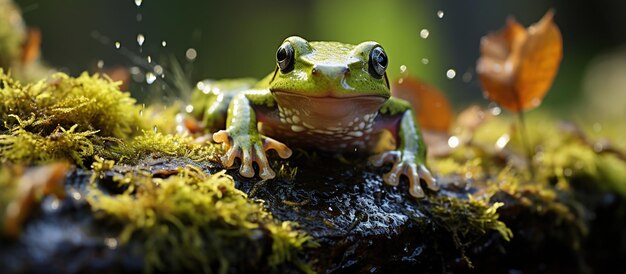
{"points": [[526, 144]]}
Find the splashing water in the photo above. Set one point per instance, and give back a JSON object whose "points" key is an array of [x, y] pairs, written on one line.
{"points": [[450, 73], [403, 69], [140, 39], [191, 54], [150, 78]]}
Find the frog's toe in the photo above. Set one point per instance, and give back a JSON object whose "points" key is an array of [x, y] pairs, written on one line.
{"points": [[385, 157], [246, 169], [223, 137], [228, 159], [265, 171], [431, 182], [415, 189], [392, 177], [283, 151]]}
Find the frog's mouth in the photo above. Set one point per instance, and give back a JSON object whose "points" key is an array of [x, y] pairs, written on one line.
{"points": [[325, 112]]}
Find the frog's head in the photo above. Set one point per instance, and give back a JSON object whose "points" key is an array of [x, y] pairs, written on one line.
{"points": [[331, 81]]}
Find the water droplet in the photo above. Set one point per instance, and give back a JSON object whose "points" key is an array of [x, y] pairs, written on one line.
{"points": [[100, 64], [117, 45], [535, 102], [163, 43], [150, 78], [54, 204], [425, 61], [567, 172], [158, 69], [453, 142], [424, 33], [598, 147], [191, 54], [597, 127], [440, 14], [189, 108], [76, 195], [134, 70], [200, 85], [401, 80], [149, 59], [450, 73], [141, 112], [402, 69], [155, 129], [495, 111], [140, 39], [467, 77], [138, 3], [502, 141], [111, 243]]}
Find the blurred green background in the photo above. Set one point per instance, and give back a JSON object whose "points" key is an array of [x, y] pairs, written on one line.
{"points": [[239, 38]]}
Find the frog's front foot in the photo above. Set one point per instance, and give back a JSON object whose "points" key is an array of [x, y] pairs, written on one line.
{"points": [[250, 149], [405, 164]]}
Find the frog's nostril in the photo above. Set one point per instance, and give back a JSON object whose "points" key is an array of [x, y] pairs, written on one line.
{"points": [[330, 71]]}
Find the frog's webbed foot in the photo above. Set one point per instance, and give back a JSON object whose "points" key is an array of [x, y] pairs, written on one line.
{"points": [[245, 148], [405, 165]]}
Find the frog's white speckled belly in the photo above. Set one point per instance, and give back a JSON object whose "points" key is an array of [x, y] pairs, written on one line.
{"points": [[329, 124]]}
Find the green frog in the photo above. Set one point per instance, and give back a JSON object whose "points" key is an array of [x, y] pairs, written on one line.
{"points": [[326, 96]]}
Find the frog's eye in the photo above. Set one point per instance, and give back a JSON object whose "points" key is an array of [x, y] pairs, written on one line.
{"points": [[378, 62], [285, 57]]}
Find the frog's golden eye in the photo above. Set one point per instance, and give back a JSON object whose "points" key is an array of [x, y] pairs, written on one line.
{"points": [[377, 62], [285, 57]]}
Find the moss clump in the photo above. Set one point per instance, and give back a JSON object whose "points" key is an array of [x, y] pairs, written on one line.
{"points": [[63, 118], [467, 220], [194, 221], [162, 145]]}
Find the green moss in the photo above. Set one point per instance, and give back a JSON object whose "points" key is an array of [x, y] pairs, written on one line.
{"points": [[194, 221], [565, 158], [467, 220], [63, 118], [160, 145], [20, 145]]}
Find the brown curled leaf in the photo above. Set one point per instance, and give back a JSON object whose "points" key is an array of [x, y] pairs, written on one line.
{"points": [[517, 66], [35, 183], [431, 106]]}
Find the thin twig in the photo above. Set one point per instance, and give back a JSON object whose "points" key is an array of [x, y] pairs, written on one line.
{"points": [[526, 144]]}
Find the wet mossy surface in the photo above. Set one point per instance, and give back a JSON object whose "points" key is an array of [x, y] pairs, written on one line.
{"points": [[140, 201]]}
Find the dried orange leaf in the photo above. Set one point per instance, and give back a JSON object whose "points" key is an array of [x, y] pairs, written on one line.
{"points": [[432, 108], [31, 47], [32, 185], [517, 66]]}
